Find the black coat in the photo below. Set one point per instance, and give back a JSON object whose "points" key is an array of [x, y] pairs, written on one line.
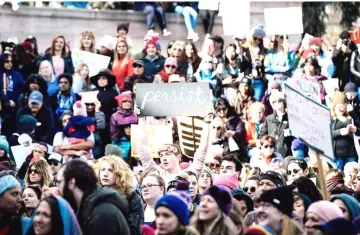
{"points": [[129, 81], [343, 145], [136, 214], [341, 61], [104, 211], [236, 124], [355, 113], [106, 96]]}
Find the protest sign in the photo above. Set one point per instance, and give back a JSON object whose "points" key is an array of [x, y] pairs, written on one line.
{"points": [[235, 11], [157, 136], [309, 121], [307, 88], [275, 25], [173, 99], [94, 61], [189, 129], [331, 85]]}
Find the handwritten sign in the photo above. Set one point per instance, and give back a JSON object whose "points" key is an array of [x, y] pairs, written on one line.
{"points": [[174, 99], [189, 129], [275, 25], [157, 136], [94, 61], [308, 88], [309, 121], [235, 11]]}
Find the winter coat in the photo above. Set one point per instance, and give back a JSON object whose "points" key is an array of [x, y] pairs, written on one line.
{"points": [[54, 104], [257, 160], [136, 215], [355, 67], [343, 145], [236, 124], [14, 86], [99, 119], [45, 117], [213, 79], [242, 106], [266, 102], [244, 61], [153, 66], [68, 64], [279, 63], [163, 77], [121, 69], [129, 81], [341, 62], [121, 117], [252, 132], [103, 211], [272, 126], [106, 96]]}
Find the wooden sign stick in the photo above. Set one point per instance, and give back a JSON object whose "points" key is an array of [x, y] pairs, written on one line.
{"points": [[322, 177]]}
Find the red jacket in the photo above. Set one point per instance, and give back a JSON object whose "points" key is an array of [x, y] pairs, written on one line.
{"points": [[122, 69]]}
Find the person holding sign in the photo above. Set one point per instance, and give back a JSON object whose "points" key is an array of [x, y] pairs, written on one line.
{"points": [[342, 128], [327, 66]]}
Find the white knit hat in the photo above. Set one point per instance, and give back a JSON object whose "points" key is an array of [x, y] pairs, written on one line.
{"points": [[89, 97], [79, 109]]}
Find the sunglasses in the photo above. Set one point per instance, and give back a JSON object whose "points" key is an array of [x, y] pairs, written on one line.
{"points": [[8, 61], [51, 162], [89, 104], [212, 165], [221, 109], [358, 177], [33, 171], [126, 101], [268, 146], [295, 171], [137, 66], [257, 39], [251, 189], [278, 101], [217, 128], [170, 66]]}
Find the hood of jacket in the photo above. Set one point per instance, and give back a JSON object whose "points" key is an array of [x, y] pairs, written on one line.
{"points": [[125, 117]]}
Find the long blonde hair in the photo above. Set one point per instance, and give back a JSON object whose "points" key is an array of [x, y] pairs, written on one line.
{"points": [[86, 82], [53, 77], [44, 170], [116, 55], [290, 227], [93, 43], [124, 177]]}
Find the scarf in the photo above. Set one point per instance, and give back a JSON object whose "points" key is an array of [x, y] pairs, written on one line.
{"points": [[66, 102], [164, 76]]}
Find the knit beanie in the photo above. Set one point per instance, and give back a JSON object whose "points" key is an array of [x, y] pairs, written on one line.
{"points": [[182, 191], [229, 180], [307, 53], [27, 124], [281, 198], [240, 195], [7, 182], [122, 96], [350, 202], [316, 41], [176, 205], [170, 61], [258, 31], [275, 85], [108, 42], [306, 200], [274, 177], [111, 149], [150, 42], [325, 210], [4, 144], [339, 98], [338, 226], [222, 197], [79, 109], [259, 230]]}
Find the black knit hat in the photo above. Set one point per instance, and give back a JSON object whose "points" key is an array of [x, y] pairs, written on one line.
{"points": [[282, 198], [274, 177]]}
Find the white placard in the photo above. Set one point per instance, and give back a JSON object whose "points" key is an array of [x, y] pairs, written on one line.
{"points": [[95, 62], [308, 88], [285, 20], [235, 17], [309, 121], [20, 153], [331, 85]]}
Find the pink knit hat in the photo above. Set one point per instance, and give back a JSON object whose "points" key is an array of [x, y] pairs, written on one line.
{"points": [[229, 180], [79, 109], [122, 96], [325, 210]]}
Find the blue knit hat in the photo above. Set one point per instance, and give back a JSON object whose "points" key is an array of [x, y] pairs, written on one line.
{"points": [[177, 206], [350, 202], [4, 144], [7, 182], [338, 226], [26, 124]]}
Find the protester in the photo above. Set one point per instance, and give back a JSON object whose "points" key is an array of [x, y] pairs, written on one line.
{"points": [[348, 205], [31, 198], [46, 70], [34, 82], [139, 73], [87, 41], [81, 80], [170, 67], [123, 63]]}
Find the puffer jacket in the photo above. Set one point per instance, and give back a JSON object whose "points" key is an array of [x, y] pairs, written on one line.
{"points": [[121, 117]]}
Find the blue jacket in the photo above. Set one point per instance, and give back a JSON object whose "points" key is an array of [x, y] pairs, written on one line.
{"points": [[279, 63], [153, 67]]}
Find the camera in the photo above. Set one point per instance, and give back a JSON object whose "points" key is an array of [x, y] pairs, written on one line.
{"points": [[345, 41]]}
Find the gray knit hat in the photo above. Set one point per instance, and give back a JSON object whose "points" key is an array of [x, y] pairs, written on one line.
{"points": [[111, 149]]}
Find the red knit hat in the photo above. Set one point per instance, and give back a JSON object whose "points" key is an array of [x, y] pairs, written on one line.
{"points": [[152, 41], [27, 46], [316, 41], [307, 53], [229, 180]]}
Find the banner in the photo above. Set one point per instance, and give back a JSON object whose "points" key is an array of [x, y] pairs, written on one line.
{"points": [[189, 129], [285, 20], [173, 99], [309, 121], [235, 17], [95, 62], [157, 136]]}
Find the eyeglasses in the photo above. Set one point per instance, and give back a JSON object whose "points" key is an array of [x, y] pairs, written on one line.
{"points": [[137, 66], [278, 101], [212, 165], [221, 109], [282, 37], [217, 128], [8, 61], [257, 39], [89, 104], [295, 171], [149, 186], [126, 101], [268, 146], [170, 66], [52, 162], [358, 177], [33, 171], [251, 189]]}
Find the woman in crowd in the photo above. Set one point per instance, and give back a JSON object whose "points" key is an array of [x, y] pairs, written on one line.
{"points": [[306, 186], [325, 61], [273, 87], [39, 172], [193, 60], [113, 172], [87, 41], [31, 198], [139, 73], [211, 217], [220, 143], [244, 203], [123, 63], [343, 127], [348, 205], [251, 185], [253, 126], [152, 188], [178, 52], [7, 161], [214, 165], [257, 52], [34, 83], [244, 98], [81, 81], [235, 128], [154, 61], [279, 61], [170, 67], [59, 57], [301, 205], [46, 70], [267, 158], [53, 216], [40, 151], [23, 61]]}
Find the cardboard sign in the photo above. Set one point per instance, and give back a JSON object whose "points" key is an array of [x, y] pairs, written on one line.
{"points": [[309, 121], [277, 20], [307, 88], [235, 11], [173, 99], [94, 61], [189, 129], [157, 136]]}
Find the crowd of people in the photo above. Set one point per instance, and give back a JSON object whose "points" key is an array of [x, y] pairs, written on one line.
{"points": [[249, 175]]}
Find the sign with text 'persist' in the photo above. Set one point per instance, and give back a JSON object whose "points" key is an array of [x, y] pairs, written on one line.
{"points": [[173, 99], [309, 121]]}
